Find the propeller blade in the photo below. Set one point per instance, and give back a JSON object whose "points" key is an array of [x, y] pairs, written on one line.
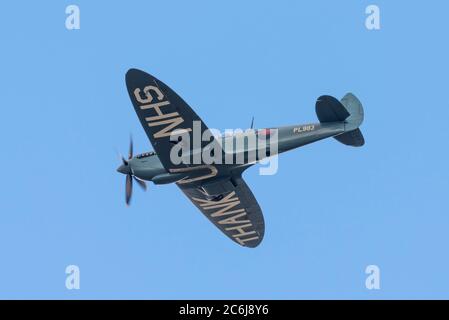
{"points": [[129, 188], [252, 123], [130, 153], [124, 161], [141, 183]]}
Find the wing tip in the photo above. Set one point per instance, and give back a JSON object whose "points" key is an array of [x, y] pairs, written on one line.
{"points": [[132, 72]]}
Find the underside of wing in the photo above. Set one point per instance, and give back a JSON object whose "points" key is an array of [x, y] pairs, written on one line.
{"points": [[163, 113], [234, 210]]}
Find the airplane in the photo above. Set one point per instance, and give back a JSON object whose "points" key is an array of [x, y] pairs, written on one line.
{"points": [[217, 188]]}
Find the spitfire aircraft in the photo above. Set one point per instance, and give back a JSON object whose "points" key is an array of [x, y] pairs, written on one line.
{"points": [[216, 186]]}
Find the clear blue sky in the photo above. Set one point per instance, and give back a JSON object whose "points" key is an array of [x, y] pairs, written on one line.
{"points": [[330, 211]]}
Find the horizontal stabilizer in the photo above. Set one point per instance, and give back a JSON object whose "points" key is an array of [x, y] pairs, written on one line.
{"points": [[329, 109], [349, 111], [352, 138]]}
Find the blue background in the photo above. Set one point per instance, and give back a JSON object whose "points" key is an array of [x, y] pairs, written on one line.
{"points": [[330, 210]]}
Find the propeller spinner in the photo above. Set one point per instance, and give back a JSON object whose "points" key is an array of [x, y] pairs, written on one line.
{"points": [[126, 168]]}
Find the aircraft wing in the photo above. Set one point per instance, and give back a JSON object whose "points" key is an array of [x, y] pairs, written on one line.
{"points": [[235, 212], [161, 111]]}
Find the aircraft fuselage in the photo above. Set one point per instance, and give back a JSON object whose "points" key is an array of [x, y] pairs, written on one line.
{"points": [[149, 167]]}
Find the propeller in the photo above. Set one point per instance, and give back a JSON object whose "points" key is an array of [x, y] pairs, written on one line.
{"points": [[130, 177], [252, 123], [131, 144]]}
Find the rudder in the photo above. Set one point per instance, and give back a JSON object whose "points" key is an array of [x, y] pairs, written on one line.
{"points": [[349, 110]]}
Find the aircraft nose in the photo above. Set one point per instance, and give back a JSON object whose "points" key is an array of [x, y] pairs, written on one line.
{"points": [[123, 169]]}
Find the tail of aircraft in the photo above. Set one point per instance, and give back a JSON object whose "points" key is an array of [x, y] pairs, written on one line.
{"points": [[349, 110]]}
